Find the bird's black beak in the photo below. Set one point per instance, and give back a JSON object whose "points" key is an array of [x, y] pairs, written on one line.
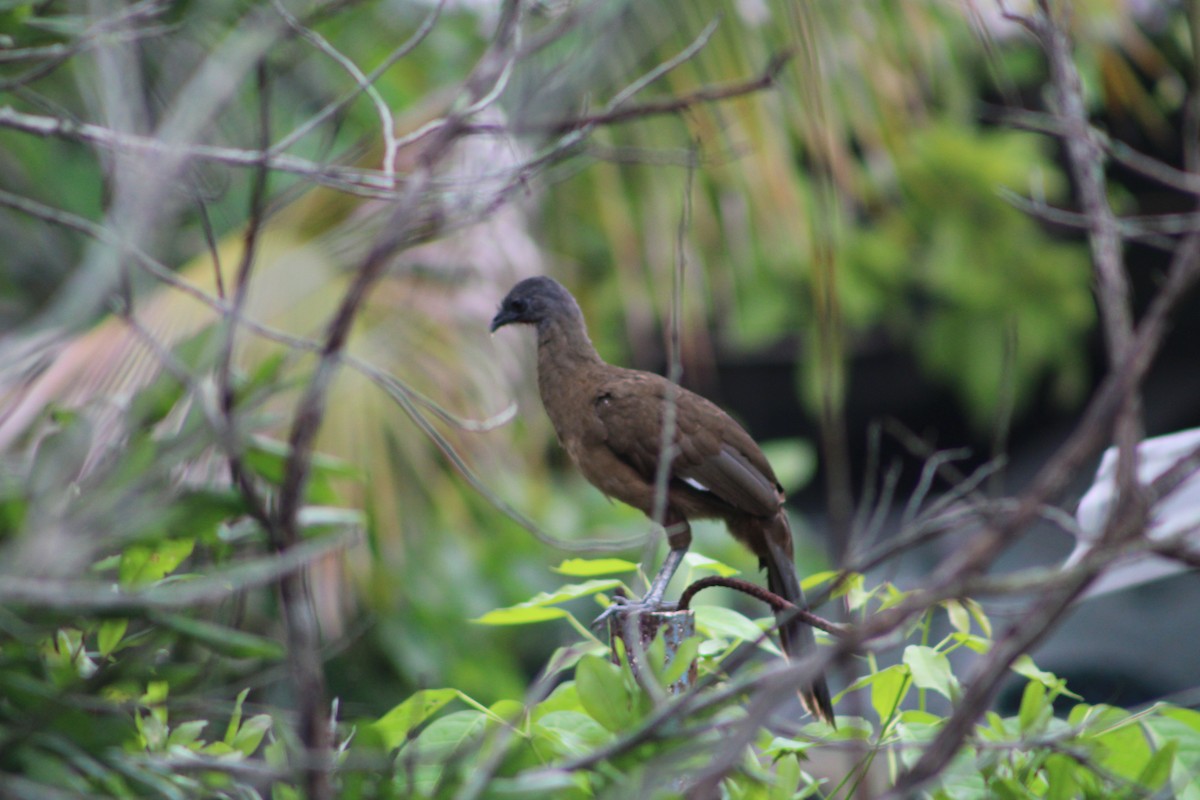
{"points": [[503, 317]]}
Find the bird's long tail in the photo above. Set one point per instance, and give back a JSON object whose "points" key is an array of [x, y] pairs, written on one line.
{"points": [[796, 636]]}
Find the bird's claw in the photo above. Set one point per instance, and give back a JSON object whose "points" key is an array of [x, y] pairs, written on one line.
{"points": [[627, 605]]}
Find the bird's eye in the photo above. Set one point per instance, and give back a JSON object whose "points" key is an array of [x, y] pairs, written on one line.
{"points": [[517, 306]]}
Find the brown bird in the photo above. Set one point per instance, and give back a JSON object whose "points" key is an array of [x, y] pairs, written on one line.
{"points": [[610, 420]]}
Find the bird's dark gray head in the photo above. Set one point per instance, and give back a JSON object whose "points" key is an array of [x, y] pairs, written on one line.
{"points": [[534, 301]]}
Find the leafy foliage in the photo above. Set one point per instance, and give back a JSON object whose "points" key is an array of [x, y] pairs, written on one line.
{"points": [[600, 732], [144, 650], [116, 672]]}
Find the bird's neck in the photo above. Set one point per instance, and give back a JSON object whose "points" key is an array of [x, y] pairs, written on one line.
{"points": [[564, 352]]}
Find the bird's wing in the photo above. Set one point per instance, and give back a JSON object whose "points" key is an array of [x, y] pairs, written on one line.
{"points": [[714, 453]]}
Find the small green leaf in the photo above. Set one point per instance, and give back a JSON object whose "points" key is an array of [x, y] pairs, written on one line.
{"points": [[818, 579], [518, 615], [603, 693], [142, 564], [972, 641], [1035, 711], [685, 655], [571, 733], [855, 591], [589, 567], [251, 734], [696, 561], [931, 670], [235, 719], [265, 374], [151, 404], [187, 733], [1061, 783], [395, 726], [1158, 769], [110, 634], [1187, 716], [1025, 666], [959, 617], [656, 655], [533, 609], [268, 458], [787, 779], [725, 622], [1124, 749], [888, 689], [445, 737], [981, 619]]}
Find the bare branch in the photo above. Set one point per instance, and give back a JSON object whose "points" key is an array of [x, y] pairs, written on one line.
{"points": [[339, 177]]}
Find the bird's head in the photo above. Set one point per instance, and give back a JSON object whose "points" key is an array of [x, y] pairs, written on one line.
{"points": [[534, 301]]}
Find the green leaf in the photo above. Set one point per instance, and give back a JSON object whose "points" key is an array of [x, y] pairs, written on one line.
{"points": [[1061, 783], [1123, 747], [981, 618], [972, 641], [818, 579], [187, 733], [395, 726], [787, 779], [727, 623], [520, 615], [1187, 716], [235, 719], [853, 588], [930, 669], [571, 733], [143, 564], [251, 734], [445, 737], [685, 655], [110, 634], [1025, 666], [220, 639], [1158, 769], [696, 561], [959, 617], [589, 567], [265, 375], [1035, 710], [268, 459], [603, 693], [532, 610], [888, 689], [152, 403]]}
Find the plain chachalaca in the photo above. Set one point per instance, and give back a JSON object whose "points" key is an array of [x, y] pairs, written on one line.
{"points": [[610, 420]]}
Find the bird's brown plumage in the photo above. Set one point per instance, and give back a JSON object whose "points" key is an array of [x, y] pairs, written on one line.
{"points": [[610, 419]]}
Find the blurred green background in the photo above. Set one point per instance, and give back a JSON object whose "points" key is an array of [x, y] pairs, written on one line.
{"points": [[851, 253]]}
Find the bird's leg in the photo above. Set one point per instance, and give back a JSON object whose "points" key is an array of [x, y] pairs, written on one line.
{"points": [[679, 538]]}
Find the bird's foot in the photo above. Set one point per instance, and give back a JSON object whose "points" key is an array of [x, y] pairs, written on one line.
{"points": [[621, 604]]}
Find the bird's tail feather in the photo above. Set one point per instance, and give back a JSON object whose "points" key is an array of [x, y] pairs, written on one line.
{"points": [[795, 635]]}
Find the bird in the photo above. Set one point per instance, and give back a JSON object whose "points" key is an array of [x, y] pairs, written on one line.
{"points": [[609, 419]]}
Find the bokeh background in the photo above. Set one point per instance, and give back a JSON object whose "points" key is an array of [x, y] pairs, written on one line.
{"points": [[872, 267]]}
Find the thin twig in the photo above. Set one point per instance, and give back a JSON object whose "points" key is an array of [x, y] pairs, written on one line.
{"points": [[364, 84], [369, 80], [334, 175], [776, 602]]}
